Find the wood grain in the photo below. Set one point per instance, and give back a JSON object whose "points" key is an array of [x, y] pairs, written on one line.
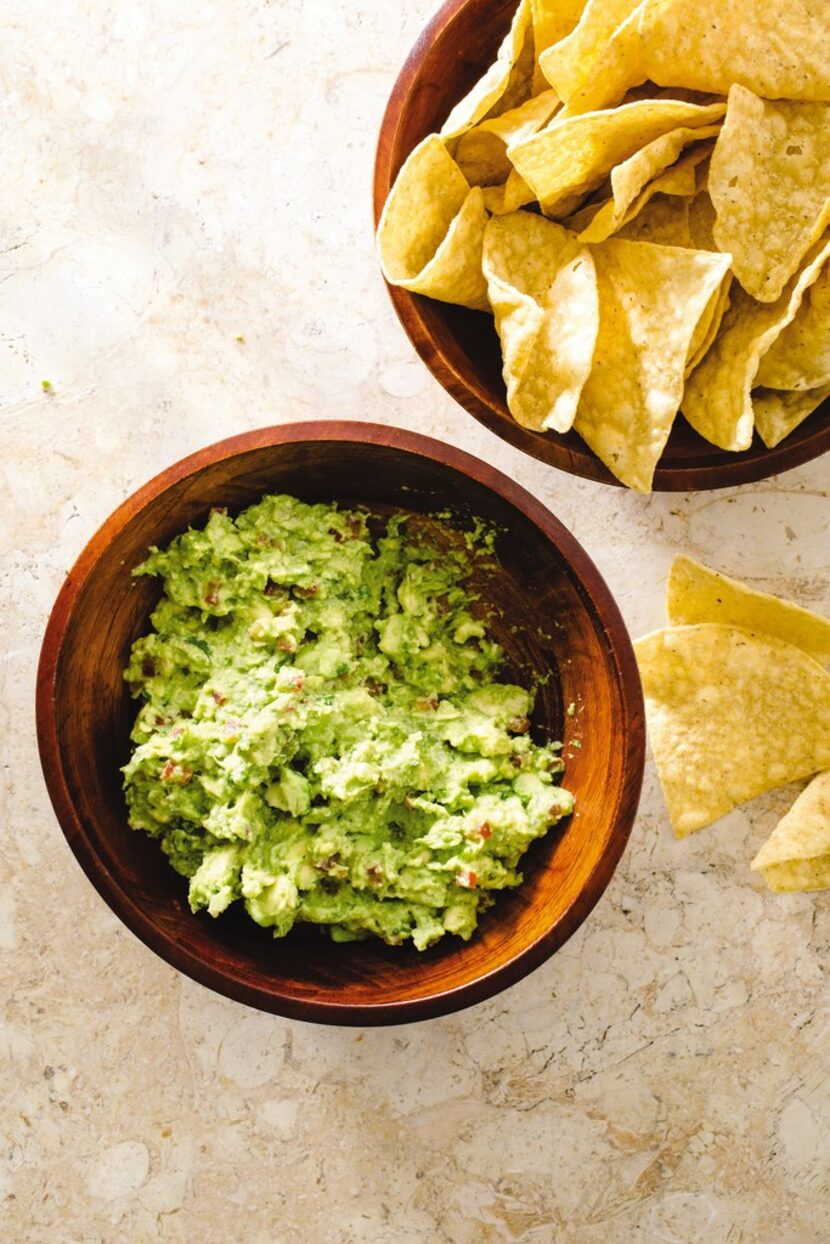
{"points": [[461, 348], [566, 624]]}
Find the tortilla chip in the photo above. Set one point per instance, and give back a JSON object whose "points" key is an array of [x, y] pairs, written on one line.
{"points": [[718, 402], [779, 51], [505, 84], [709, 324], [515, 193], [680, 179], [800, 357], [432, 229], [573, 155], [796, 856], [770, 183], [730, 715], [697, 594], [702, 221], [651, 298], [571, 64], [481, 153], [615, 69], [552, 21], [778, 412], [664, 221], [543, 290]]}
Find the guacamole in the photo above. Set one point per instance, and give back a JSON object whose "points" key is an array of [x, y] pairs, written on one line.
{"points": [[323, 736]]}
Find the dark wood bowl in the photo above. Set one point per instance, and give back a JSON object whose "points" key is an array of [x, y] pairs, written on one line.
{"points": [[564, 619], [461, 347]]}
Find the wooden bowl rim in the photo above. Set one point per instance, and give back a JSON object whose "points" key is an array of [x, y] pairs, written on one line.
{"points": [[806, 443], [120, 900]]}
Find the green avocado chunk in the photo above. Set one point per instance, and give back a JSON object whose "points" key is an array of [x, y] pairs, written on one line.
{"points": [[322, 734]]}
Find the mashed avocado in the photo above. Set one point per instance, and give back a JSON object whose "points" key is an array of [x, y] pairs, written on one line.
{"points": [[322, 734]]}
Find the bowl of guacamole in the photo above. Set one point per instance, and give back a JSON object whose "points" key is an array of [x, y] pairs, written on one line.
{"points": [[342, 723]]}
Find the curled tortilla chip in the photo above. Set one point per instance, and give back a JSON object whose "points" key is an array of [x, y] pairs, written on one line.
{"points": [[552, 21], [505, 84], [800, 357], [543, 290], [680, 179], [779, 51], [431, 231], [770, 183], [515, 193], [778, 412], [616, 68], [573, 155], [571, 64], [481, 153], [730, 714], [697, 594], [796, 856], [651, 298], [708, 325], [718, 401]]}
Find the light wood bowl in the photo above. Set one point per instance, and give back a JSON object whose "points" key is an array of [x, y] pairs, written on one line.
{"points": [[461, 348], [566, 623]]}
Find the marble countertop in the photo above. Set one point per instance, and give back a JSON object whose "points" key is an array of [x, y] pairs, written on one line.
{"points": [[178, 175]]}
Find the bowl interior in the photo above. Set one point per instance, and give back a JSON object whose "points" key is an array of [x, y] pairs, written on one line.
{"points": [[461, 347], [550, 622]]}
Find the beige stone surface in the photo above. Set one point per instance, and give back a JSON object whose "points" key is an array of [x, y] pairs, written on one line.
{"points": [[176, 174]]}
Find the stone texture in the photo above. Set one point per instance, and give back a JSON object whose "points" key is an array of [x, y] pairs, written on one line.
{"points": [[176, 176]]}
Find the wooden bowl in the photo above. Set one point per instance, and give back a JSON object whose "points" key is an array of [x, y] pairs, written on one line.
{"points": [[461, 347], [565, 623]]}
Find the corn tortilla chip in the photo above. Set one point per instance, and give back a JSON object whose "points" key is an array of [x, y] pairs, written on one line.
{"points": [[651, 298], [515, 193], [570, 64], [779, 51], [543, 290], [800, 357], [796, 856], [573, 155], [552, 20], [664, 221], [702, 221], [697, 594], [709, 324], [481, 153], [779, 411], [615, 69], [718, 401], [505, 84], [680, 179], [770, 183], [431, 231], [730, 714]]}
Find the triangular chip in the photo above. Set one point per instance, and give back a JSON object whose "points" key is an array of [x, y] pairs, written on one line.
{"points": [[800, 358], [778, 412], [505, 84], [573, 155], [633, 190], [509, 197], [779, 51], [543, 290], [552, 21], [697, 594], [432, 229], [796, 856], [664, 221], [770, 183], [718, 402], [616, 68], [651, 298], [571, 64], [481, 153], [730, 714]]}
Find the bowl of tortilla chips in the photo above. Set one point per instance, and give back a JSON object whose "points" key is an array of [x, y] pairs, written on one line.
{"points": [[604, 227]]}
